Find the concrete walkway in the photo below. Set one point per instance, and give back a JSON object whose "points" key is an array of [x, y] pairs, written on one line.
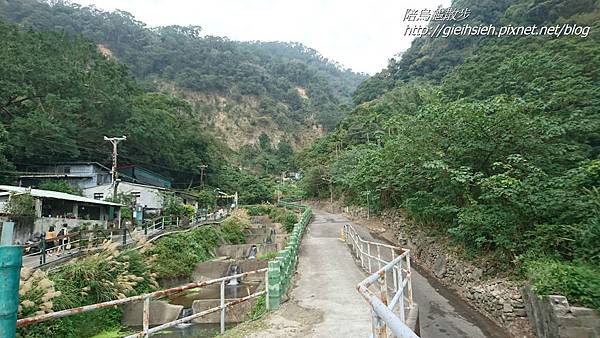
{"points": [[324, 301]]}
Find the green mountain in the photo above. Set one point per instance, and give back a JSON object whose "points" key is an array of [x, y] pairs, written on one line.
{"points": [[238, 89], [493, 141], [72, 74]]}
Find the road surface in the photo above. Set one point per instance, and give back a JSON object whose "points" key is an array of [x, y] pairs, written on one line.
{"points": [[324, 301]]}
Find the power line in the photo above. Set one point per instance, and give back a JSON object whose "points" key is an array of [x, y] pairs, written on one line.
{"points": [[102, 152]]}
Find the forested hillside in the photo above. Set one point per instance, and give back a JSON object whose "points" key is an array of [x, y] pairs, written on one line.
{"points": [[491, 141], [59, 96], [72, 74], [239, 89]]}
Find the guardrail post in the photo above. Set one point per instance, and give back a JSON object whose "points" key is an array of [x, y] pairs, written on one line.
{"points": [[401, 282], [43, 249], [274, 276], [409, 283], [222, 307], [369, 254], [11, 259], [379, 256], [267, 290], [384, 299], [362, 255], [146, 316], [124, 235], [378, 326]]}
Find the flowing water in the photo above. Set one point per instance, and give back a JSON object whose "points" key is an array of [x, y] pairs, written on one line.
{"points": [[213, 291]]}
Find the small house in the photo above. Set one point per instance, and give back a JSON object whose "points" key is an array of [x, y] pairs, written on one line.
{"points": [[78, 174], [54, 208]]}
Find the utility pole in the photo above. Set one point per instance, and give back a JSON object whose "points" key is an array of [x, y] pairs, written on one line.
{"points": [[114, 141], [368, 205], [330, 181], [202, 167]]}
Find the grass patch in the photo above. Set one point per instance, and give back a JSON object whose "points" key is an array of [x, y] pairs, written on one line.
{"points": [[580, 283], [268, 255]]}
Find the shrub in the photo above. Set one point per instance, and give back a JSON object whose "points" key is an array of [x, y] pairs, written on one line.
{"points": [[260, 309], [21, 205], [579, 282], [287, 218], [36, 293], [259, 210], [177, 254], [60, 186], [105, 275]]}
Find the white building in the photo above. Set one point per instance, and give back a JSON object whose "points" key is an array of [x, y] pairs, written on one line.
{"points": [[54, 208], [78, 174], [147, 196]]}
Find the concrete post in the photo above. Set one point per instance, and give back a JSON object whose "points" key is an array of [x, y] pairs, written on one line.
{"points": [[11, 259], [7, 233], [38, 208], [274, 284]]}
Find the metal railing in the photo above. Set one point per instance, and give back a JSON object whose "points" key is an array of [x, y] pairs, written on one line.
{"points": [[146, 298], [390, 273], [88, 240]]}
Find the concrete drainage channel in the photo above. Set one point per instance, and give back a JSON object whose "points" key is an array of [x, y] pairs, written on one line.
{"points": [[263, 237], [222, 293]]}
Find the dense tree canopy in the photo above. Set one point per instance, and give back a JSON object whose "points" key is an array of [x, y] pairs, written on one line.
{"points": [[59, 97], [495, 143], [270, 71]]}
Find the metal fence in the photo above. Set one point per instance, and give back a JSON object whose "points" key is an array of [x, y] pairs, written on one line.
{"points": [[390, 274], [41, 253], [146, 298]]}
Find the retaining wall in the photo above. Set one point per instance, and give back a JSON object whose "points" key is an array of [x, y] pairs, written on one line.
{"points": [[282, 268], [242, 250], [553, 317], [161, 312]]}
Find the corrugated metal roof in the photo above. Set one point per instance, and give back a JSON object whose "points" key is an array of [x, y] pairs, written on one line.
{"points": [[56, 195], [124, 183], [57, 176]]}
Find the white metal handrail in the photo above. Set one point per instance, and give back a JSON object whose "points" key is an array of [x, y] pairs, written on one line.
{"points": [[393, 275]]}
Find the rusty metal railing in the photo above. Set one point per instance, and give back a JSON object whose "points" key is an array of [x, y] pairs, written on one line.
{"points": [[146, 298], [392, 276]]}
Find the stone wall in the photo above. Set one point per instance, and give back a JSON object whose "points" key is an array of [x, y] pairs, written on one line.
{"points": [[553, 317], [498, 298], [503, 300]]}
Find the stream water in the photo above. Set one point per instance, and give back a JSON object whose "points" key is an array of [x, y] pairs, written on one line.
{"points": [[187, 298], [234, 288], [191, 331]]}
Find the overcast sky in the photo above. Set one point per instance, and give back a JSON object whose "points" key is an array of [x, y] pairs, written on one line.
{"points": [[359, 34]]}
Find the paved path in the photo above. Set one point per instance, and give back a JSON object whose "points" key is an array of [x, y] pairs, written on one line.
{"points": [[441, 312], [324, 301]]}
